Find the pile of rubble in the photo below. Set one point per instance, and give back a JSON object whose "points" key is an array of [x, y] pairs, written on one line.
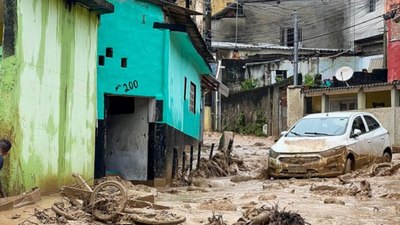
{"points": [[112, 200], [222, 164], [376, 169], [362, 191], [269, 216]]}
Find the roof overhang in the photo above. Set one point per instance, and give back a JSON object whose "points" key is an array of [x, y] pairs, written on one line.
{"points": [[182, 16], [212, 84], [367, 88], [173, 8], [97, 6]]}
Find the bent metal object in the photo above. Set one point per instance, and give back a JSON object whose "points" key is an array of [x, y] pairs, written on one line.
{"points": [[109, 200], [20, 200]]}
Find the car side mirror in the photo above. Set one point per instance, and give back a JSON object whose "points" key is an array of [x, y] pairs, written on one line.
{"points": [[283, 133], [356, 133]]}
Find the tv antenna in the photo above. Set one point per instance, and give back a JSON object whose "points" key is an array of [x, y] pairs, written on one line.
{"points": [[344, 74]]}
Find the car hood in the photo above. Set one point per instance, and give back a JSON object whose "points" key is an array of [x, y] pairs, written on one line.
{"points": [[307, 144]]}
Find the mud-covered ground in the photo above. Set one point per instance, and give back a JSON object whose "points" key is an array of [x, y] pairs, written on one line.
{"points": [[356, 199]]}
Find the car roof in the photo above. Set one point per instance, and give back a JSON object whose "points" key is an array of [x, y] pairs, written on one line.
{"points": [[335, 114]]}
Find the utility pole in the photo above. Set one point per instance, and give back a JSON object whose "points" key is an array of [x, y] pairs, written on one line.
{"points": [[295, 48], [385, 44], [207, 24], [236, 21]]}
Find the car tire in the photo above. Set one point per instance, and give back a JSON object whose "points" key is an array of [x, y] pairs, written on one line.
{"points": [[387, 157], [348, 166]]}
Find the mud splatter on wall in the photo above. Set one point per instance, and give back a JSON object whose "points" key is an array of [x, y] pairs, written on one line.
{"points": [[48, 101]]}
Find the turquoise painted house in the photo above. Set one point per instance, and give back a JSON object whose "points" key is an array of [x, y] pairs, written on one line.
{"points": [[152, 68]]}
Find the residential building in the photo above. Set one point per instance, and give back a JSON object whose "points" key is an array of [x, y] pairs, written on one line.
{"points": [[367, 25], [152, 69], [48, 91], [321, 23], [393, 39]]}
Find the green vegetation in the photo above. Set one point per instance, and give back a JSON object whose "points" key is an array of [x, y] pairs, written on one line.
{"points": [[249, 84], [309, 80], [251, 127]]}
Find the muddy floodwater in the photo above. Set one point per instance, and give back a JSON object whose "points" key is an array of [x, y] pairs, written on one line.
{"points": [[360, 198]]}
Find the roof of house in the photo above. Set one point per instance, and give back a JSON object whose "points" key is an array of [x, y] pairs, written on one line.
{"points": [[367, 87], [183, 16], [224, 11], [97, 6], [233, 45]]}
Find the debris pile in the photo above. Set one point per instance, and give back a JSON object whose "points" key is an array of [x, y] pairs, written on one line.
{"points": [[362, 191], [384, 169], [216, 220], [376, 169], [221, 205], [110, 201], [269, 216], [221, 164]]}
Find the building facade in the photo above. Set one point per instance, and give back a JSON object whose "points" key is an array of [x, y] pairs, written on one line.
{"points": [[393, 39], [48, 91], [152, 63]]}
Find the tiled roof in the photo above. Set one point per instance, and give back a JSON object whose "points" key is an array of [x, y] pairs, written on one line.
{"points": [[232, 45], [351, 87]]}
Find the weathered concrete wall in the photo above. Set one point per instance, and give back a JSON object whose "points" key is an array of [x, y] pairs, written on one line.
{"points": [[262, 22], [248, 111], [393, 48], [266, 73], [198, 6], [218, 5], [48, 95], [295, 109], [370, 23], [127, 142], [245, 105], [390, 118]]}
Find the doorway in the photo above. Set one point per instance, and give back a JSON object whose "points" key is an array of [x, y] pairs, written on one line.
{"points": [[126, 137]]}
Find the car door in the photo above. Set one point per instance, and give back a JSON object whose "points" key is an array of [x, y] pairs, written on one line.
{"points": [[357, 144], [377, 135]]}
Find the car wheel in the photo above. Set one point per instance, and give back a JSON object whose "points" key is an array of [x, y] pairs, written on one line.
{"points": [[348, 165], [387, 157]]}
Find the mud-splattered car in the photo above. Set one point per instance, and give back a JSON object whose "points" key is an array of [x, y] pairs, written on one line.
{"points": [[329, 144]]}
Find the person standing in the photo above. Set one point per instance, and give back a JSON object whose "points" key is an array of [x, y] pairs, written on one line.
{"points": [[5, 146]]}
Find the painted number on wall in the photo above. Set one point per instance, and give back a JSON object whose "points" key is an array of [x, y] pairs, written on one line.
{"points": [[127, 86]]}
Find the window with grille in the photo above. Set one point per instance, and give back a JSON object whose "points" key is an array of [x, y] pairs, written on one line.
{"points": [[192, 104], [287, 36], [372, 5]]}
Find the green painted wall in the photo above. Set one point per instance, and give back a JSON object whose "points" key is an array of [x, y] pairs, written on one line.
{"points": [[183, 63], [158, 60], [48, 89], [129, 32]]}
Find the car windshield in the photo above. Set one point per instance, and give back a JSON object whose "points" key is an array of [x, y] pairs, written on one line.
{"points": [[325, 126]]}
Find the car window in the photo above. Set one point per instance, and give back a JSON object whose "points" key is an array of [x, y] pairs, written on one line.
{"points": [[371, 123], [326, 126], [358, 124]]}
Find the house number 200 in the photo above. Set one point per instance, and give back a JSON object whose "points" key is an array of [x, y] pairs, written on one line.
{"points": [[128, 86]]}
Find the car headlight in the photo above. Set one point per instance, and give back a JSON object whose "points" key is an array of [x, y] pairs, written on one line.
{"points": [[334, 151], [273, 154]]}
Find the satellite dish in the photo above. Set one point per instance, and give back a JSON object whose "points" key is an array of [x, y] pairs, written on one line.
{"points": [[344, 73]]}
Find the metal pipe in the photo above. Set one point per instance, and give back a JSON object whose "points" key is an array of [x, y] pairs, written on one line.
{"points": [[199, 154], [211, 151], [295, 48], [191, 158]]}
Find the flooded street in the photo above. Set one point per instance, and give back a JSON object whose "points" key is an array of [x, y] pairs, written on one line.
{"points": [[358, 198]]}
